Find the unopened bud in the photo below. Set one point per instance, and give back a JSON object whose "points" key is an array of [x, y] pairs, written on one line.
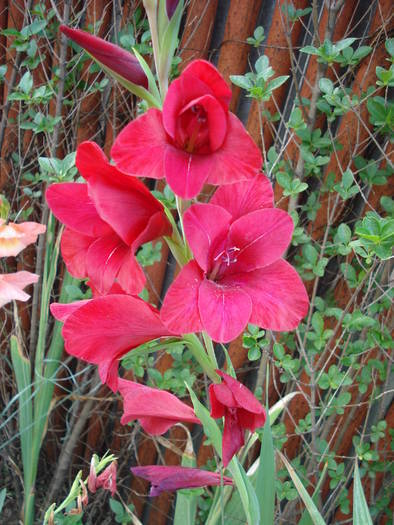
{"points": [[109, 55]]}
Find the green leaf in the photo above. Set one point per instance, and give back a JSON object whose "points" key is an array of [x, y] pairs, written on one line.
{"points": [[326, 86], [346, 42], [26, 83], [310, 50], [265, 482], [310, 253], [344, 233], [315, 515], [276, 82], [246, 491], [390, 46], [22, 370], [241, 81], [3, 493], [305, 518], [361, 515], [210, 426]]}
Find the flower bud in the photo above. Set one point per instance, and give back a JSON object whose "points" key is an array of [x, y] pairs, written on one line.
{"points": [[171, 6], [109, 55]]}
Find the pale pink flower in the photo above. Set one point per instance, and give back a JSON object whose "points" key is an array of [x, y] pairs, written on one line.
{"points": [[12, 284], [15, 237]]}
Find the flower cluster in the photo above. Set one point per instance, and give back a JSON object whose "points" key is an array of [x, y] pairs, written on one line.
{"points": [[234, 275]]}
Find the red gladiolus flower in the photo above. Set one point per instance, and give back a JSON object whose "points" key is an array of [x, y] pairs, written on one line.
{"points": [[165, 478], [106, 480], [110, 55], [106, 221], [240, 409], [237, 276], [103, 330], [156, 410], [193, 140]]}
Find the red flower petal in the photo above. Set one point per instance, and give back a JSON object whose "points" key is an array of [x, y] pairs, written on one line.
{"points": [[165, 478], [74, 247], [278, 295], [157, 410], [61, 311], [220, 397], [186, 172], [244, 197], [180, 307], [261, 237], [131, 276], [139, 148], [243, 396], [224, 310], [104, 260], [71, 205], [238, 159], [210, 76], [198, 79], [216, 118], [116, 194], [205, 226], [233, 437], [249, 420], [106, 328]]}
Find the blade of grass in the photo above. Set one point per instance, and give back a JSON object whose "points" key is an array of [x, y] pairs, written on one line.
{"points": [[305, 518], [22, 370], [3, 494], [265, 482], [361, 515], [315, 515]]}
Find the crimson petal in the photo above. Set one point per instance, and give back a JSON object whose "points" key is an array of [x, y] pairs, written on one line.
{"points": [[243, 396], [157, 410], [244, 197], [278, 295], [71, 205], [139, 148], [205, 226], [106, 328], [116, 194], [186, 172], [105, 257], [261, 237], [233, 437], [210, 76], [238, 159], [180, 307], [224, 310]]}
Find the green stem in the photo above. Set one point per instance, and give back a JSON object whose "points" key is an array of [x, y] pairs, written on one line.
{"points": [[198, 351], [210, 349]]}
